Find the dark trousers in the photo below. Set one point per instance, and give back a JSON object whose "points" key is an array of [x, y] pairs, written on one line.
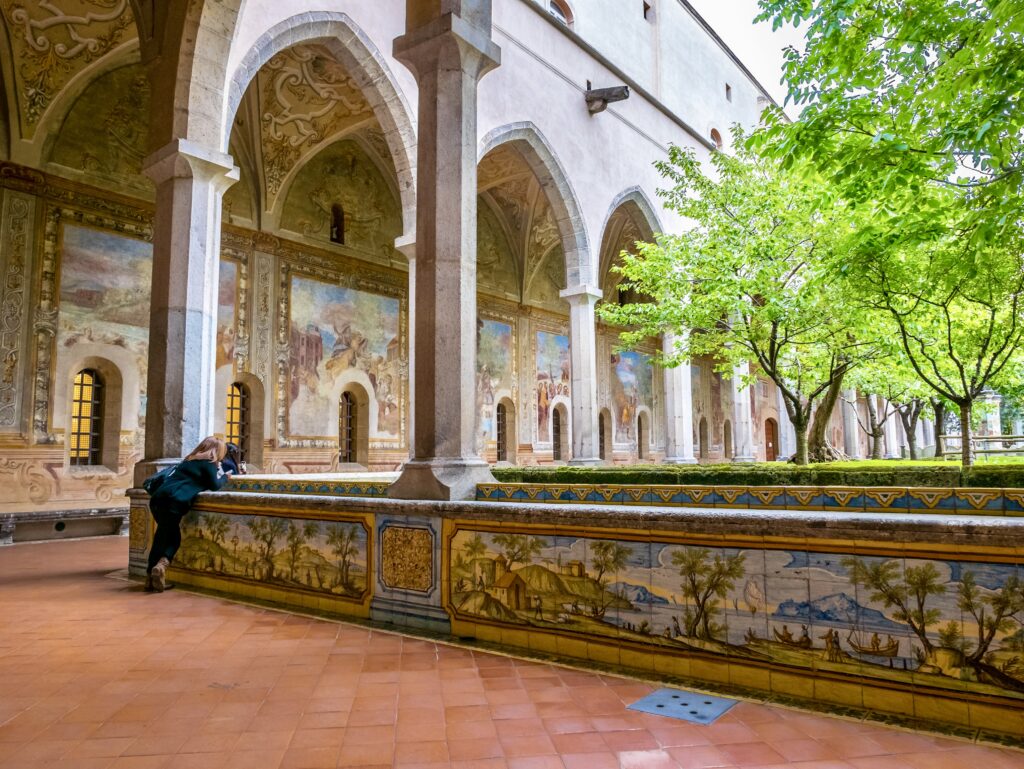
{"points": [[167, 538]]}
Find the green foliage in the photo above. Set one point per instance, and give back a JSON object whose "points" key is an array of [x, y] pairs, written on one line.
{"points": [[752, 277], [913, 111], [937, 474], [706, 581], [608, 557], [519, 548]]}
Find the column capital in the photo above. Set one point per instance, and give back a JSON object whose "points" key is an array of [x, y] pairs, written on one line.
{"points": [[184, 159], [580, 294], [420, 48], [406, 246]]}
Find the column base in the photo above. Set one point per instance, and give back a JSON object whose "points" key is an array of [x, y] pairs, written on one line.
{"points": [[586, 462], [679, 461], [441, 479], [743, 460]]}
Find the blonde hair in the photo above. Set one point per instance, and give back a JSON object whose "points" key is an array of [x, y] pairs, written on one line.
{"points": [[212, 449]]}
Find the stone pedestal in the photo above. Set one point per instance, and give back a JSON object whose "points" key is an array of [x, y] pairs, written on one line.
{"points": [[678, 409], [742, 416], [190, 183], [447, 53], [583, 350]]}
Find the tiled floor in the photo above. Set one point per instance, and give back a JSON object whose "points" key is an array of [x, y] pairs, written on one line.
{"points": [[96, 674]]}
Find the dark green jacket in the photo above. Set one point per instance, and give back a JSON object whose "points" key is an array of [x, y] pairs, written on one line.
{"points": [[189, 479]]}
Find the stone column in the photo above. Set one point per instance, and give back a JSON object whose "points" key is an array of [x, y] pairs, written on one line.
{"points": [[742, 416], [406, 245], [851, 446], [583, 351], [190, 183], [678, 409], [892, 449], [448, 48], [991, 422]]}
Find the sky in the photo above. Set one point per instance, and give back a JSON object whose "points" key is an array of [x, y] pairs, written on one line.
{"points": [[756, 45]]}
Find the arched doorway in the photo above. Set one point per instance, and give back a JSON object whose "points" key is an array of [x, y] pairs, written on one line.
{"points": [[505, 431], [604, 437], [353, 426], [771, 440], [643, 436], [702, 439], [727, 438], [560, 433]]}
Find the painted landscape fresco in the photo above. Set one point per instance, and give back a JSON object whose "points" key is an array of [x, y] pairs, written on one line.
{"points": [[105, 282], [956, 624], [227, 295], [337, 332], [632, 387], [553, 377], [327, 557], [494, 374]]}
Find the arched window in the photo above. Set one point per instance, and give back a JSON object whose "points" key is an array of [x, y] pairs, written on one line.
{"points": [[716, 137], [347, 427], [338, 224], [556, 435], [237, 419], [561, 11], [727, 438], [502, 433], [86, 434]]}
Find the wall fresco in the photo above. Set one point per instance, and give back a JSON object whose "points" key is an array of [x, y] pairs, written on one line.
{"points": [[325, 557], [339, 335], [227, 296], [948, 624], [632, 388], [494, 375], [553, 377]]}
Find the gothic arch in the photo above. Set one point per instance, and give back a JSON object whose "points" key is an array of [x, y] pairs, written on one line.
{"points": [[539, 155], [360, 57], [635, 204]]}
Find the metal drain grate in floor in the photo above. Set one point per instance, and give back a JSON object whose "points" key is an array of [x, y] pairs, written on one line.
{"points": [[694, 707]]}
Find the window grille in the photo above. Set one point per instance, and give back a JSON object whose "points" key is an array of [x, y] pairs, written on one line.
{"points": [[86, 436], [237, 421]]}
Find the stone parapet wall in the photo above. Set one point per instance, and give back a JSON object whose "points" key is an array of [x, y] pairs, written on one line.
{"points": [[905, 615]]}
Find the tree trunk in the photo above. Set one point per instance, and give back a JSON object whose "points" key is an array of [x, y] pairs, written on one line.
{"points": [[877, 431], [939, 407], [819, 449], [910, 413], [801, 455], [966, 446]]}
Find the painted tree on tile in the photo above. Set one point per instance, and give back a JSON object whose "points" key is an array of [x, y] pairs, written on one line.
{"points": [[608, 557], [217, 527], [908, 596], [992, 613], [342, 539], [296, 538], [519, 548], [266, 532], [707, 580]]}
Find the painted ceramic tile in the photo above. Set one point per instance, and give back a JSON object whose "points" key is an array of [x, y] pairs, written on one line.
{"points": [[494, 375], [632, 388], [946, 624], [341, 335], [553, 378], [325, 557]]}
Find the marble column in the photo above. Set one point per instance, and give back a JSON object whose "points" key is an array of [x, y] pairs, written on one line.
{"points": [[406, 245], [892, 449], [448, 48], [742, 416], [787, 433], [190, 184], [678, 409], [851, 429], [991, 421], [583, 352]]}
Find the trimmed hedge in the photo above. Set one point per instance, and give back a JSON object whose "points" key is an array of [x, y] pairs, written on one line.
{"points": [[885, 473]]}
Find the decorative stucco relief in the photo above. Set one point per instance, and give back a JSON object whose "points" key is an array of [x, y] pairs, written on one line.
{"points": [[15, 270], [53, 40], [306, 97]]}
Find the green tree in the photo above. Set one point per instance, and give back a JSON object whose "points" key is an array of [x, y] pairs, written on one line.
{"points": [[296, 537], [992, 612], [912, 110], [519, 548], [266, 531], [342, 539], [909, 595], [608, 557], [707, 580], [753, 279]]}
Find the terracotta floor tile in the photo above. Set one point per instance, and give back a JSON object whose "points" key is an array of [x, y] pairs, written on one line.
{"points": [[98, 675]]}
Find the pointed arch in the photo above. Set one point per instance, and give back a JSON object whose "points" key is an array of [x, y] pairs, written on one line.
{"points": [[634, 203], [550, 173], [339, 34]]}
